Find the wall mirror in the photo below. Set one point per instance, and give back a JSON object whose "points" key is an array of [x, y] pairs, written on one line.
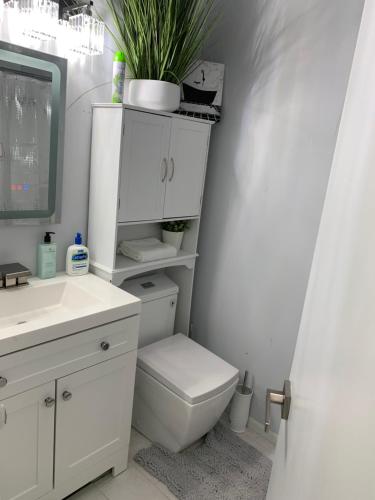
{"points": [[32, 116]]}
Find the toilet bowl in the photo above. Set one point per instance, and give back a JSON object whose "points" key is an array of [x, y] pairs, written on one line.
{"points": [[181, 391], [181, 388]]}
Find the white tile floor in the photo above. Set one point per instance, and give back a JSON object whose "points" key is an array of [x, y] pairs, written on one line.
{"points": [[136, 484]]}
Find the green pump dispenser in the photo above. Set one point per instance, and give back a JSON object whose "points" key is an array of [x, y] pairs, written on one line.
{"points": [[47, 257]]}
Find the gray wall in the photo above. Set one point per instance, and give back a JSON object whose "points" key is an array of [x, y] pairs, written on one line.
{"points": [[287, 65], [88, 81]]}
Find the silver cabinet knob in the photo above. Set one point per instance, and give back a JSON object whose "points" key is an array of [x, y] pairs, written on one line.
{"points": [[104, 346], [66, 395], [3, 382], [49, 402]]}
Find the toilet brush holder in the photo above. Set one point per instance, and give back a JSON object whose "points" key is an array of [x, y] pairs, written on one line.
{"points": [[240, 408]]}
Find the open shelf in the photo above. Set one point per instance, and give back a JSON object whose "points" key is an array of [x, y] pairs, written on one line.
{"points": [[126, 268]]}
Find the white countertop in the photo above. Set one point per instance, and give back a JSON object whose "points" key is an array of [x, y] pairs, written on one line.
{"points": [[46, 310]]}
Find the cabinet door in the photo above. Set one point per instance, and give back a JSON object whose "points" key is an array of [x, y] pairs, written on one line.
{"points": [[93, 415], [26, 444], [144, 166], [187, 166]]}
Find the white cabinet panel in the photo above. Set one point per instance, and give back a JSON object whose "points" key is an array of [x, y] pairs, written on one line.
{"points": [[143, 168], [26, 444], [93, 415], [35, 366], [187, 166]]}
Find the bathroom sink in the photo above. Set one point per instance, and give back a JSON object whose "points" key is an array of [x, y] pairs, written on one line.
{"points": [[48, 309]]}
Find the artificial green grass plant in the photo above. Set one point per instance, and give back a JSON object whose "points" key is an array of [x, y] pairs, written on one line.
{"points": [[161, 39], [175, 226]]}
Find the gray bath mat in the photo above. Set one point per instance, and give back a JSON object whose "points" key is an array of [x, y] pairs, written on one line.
{"points": [[223, 467]]}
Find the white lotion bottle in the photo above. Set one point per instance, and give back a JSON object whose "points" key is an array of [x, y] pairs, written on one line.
{"points": [[77, 258]]}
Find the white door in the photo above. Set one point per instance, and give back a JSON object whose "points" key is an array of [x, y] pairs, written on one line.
{"points": [[326, 450], [187, 167], [26, 444], [93, 415], [144, 166]]}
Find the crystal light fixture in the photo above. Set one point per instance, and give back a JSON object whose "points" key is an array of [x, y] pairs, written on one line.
{"points": [[77, 31], [87, 32], [39, 18]]}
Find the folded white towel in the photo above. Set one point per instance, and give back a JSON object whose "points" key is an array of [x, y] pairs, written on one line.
{"points": [[147, 249]]}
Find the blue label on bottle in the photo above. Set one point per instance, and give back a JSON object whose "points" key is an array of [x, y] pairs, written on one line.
{"points": [[80, 256]]}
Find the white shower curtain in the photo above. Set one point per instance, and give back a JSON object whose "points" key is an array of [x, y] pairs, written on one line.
{"points": [[326, 449]]}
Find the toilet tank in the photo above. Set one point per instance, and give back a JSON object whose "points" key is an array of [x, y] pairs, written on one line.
{"points": [[158, 294]]}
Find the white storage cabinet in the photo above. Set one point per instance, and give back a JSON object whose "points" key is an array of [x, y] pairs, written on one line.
{"points": [[146, 167], [65, 411], [162, 167]]}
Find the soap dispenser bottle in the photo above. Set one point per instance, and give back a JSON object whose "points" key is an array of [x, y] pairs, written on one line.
{"points": [[77, 258], [47, 257]]}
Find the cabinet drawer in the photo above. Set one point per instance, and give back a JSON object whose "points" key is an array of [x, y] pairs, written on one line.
{"points": [[38, 365]]}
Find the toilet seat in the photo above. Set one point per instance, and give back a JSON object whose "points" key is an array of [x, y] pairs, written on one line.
{"points": [[186, 368]]}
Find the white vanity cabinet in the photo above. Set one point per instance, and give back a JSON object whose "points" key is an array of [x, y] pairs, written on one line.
{"points": [[92, 407], [26, 444], [147, 167], [65, 411]]}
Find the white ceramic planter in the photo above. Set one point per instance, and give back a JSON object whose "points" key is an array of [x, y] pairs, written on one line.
{"points": [[154, 94], [172, 238]]}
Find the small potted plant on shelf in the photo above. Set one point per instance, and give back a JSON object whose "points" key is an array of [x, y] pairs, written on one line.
{"points": [[173, 232], [161, 41]]}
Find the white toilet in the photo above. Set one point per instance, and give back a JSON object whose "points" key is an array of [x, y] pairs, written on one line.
{"points": [[181, 388]]}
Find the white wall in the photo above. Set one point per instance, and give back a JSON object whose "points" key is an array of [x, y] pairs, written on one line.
{"points": [[88, 81], [287, 65]]}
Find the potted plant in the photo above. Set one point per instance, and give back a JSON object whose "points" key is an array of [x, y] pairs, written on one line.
{"points": [[173, 232], [161, 41]]}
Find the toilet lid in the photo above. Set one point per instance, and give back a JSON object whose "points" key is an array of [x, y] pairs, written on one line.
{"points": [[186, 368]]}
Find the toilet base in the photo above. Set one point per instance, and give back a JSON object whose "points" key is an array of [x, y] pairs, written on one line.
{"points": [[165, 418]]}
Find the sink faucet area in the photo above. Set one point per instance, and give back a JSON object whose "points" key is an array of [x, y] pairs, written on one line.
{"points": [[13, 275]]}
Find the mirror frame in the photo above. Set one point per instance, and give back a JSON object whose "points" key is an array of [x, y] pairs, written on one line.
{"points": [[14, 56]]}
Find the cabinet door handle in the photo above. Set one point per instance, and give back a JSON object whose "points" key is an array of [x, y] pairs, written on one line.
{"points": [[164, 169], [49, 402], [66, 395], [3, 415], [3, 382], [172, 168]]}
